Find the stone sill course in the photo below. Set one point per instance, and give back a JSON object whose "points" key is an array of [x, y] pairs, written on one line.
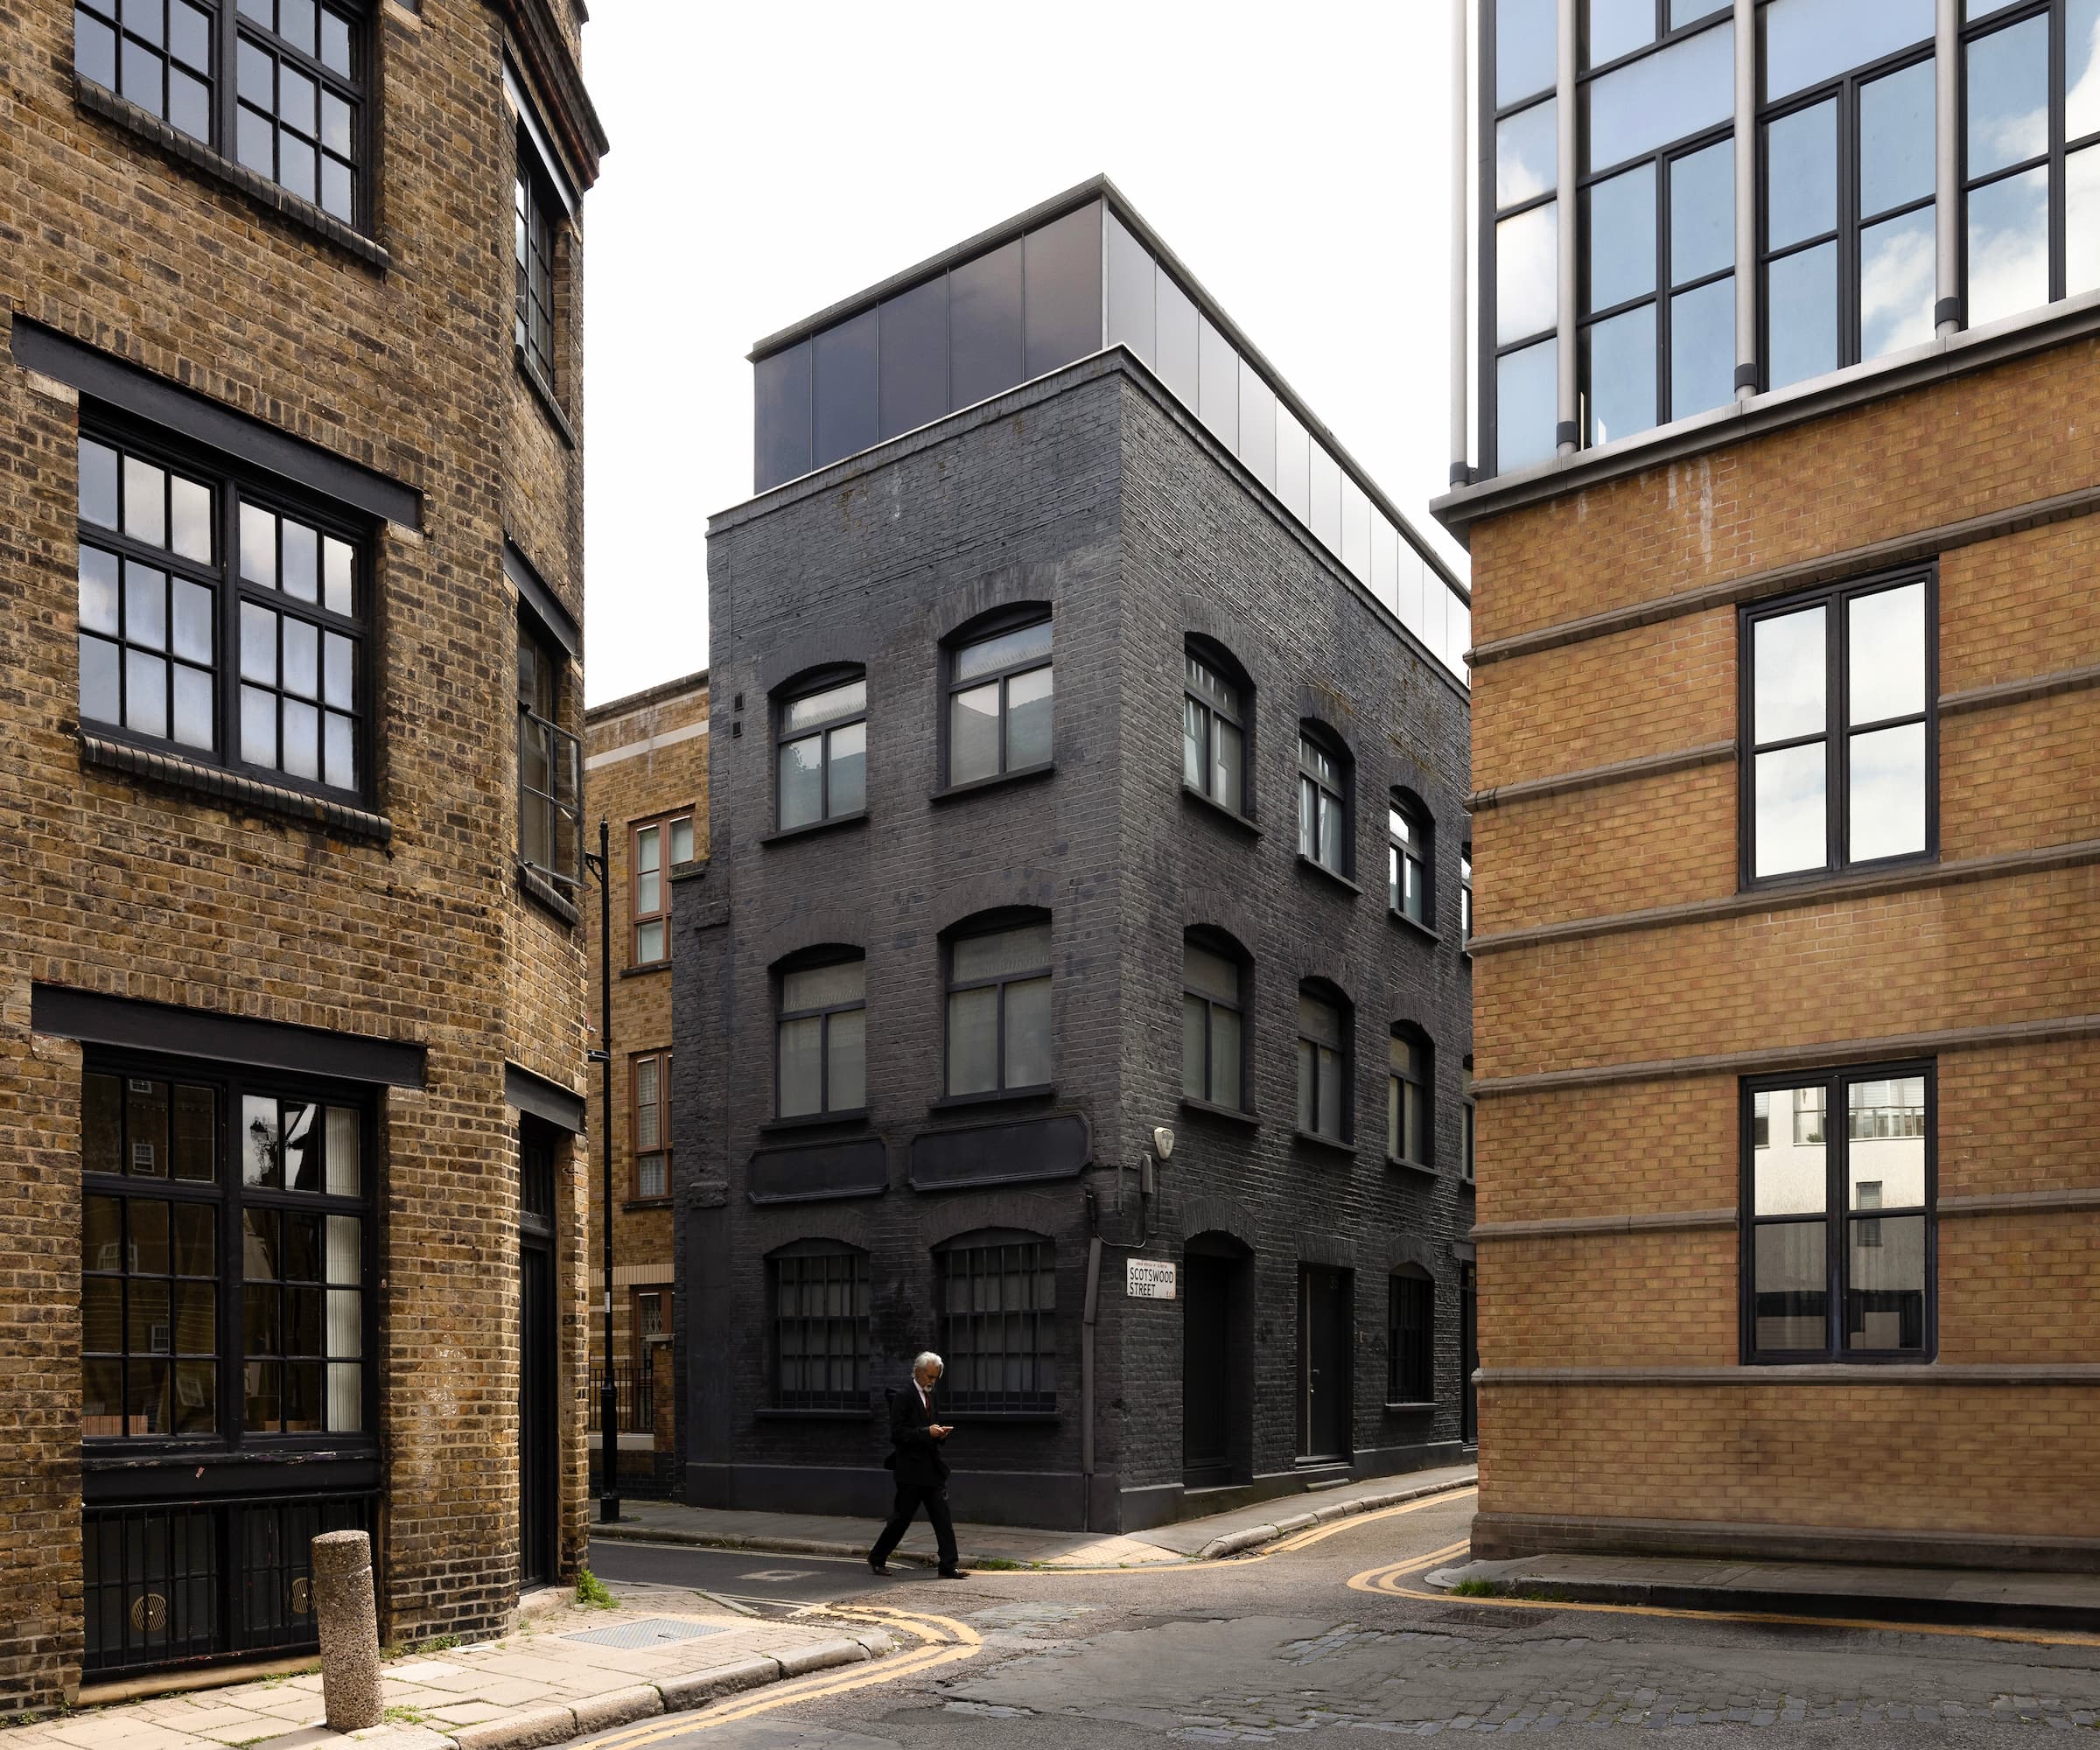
{"points": [[537, 1686]]}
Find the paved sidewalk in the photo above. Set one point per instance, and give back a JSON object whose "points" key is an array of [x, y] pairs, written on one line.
{"points": [[1977, 1596], [557, 1677], [995, 1546]]}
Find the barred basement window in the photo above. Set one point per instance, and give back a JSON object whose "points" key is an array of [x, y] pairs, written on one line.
{"points": [[1411, 1356], [220, 619], [998, 1335], [820, 1326]]}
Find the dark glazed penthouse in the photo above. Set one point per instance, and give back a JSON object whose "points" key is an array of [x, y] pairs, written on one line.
{"points": [[1094, 747]]}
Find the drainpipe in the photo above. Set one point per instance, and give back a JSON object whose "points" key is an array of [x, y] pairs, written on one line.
{"points": [[1086, 1383]]}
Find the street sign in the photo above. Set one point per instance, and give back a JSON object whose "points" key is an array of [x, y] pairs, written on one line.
{"points": [[1144, 1280]]}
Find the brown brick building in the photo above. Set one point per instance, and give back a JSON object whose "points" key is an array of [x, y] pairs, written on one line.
{"points": [[291, 1024], [1787, 819], [645, 759]]}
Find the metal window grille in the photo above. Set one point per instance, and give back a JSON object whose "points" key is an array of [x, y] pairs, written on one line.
{"points": [[998, 1326], [821, 1331], [633, 1394], [1410, 1328]]}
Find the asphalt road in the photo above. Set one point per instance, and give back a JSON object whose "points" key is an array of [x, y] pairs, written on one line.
{"points": [[1284, 1648]]}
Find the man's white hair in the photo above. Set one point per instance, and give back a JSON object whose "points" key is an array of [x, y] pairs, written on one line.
{"points": [[927, 1358]]}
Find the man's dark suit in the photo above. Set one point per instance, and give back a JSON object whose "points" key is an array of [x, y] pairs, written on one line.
{"points": [[922, 1479]]}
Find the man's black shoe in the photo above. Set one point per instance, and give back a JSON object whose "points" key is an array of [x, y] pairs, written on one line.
{"points": [[951, 1574], [878, 1569]]}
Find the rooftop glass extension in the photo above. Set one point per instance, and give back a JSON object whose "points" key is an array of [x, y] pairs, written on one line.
{"points": [[1075, 276]]}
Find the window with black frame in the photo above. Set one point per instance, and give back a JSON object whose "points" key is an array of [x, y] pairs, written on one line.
{"points": [[550, 817], [1657, 263], [1410, 1333], [1410, 857], [1213, 731], [2030, 154], [279, 85], [1212, 1023], [999, 703], [1466, 894], [1839, 1247], [1840, 729], [999, 1009], [221, 618], [1323, 1063], [1847, 234], [1469, 1113], [533, 224], [1323, 801], [998, 1322], [821, 1057], [1409, 1133], [820, 1326], [822, 758], [1523, 240]]}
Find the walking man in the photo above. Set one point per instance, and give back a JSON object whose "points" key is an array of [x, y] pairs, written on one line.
{"points": [[915, 1440]]}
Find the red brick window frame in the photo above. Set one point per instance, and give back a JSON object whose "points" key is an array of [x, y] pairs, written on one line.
{"points": [[654, 848], [649, 1120]]}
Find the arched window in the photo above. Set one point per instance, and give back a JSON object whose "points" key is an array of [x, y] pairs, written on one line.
{"points": [[1323, 804], [999, 1004], [821, 736], [999, 697], [998, 1320], [1410, 860], [1214, 1028], [819, 1291], [821, 1058], [1410, 1336], [1410, 1128], [1216, 712], [1323, 1061]]}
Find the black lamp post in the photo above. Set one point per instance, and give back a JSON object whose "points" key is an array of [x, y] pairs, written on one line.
{"points": [[608, 1395]]}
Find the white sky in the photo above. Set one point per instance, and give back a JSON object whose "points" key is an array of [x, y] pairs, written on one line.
{"points": [[769, 160]]}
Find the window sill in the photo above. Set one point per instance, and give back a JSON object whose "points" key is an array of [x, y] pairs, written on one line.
{"points": [[543, 391], [772, 1414], [1412, 1406], [537, 888], [997, 1096], [1210, 805], [1420, 1169], [121, 112], [1333, 1144], [1413, 925], [1327, 874], [633, 1204], [1231, 1115], [231, 787], [645, 970], [815, 1121], [859, 818], [998, 781], [1837, 880]]}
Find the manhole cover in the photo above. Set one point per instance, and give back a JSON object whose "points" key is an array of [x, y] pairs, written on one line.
{"points": [[651, 1631]]}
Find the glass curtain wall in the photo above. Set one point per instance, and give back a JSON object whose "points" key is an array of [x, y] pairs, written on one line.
{"points": [[1039, 302], [1524, 276]]}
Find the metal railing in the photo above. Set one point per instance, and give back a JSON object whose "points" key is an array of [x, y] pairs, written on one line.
{"points": [[634, 1391]]}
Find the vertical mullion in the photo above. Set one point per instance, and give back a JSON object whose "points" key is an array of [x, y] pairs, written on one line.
{"points": [[1664, 169], [2059, 106], [1836, 1145], [1837, 744]]}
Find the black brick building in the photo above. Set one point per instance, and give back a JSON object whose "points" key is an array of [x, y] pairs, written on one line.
{"points": [[935, 990]]}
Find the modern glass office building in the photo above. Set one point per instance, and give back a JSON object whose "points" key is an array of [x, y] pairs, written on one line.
{"points": [[1072, 277]]}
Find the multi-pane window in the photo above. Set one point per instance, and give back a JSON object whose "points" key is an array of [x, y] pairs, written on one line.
{"points": [[1212, 734], [999, 703], [1407, 1134], [822, 759], [1323, 1065], [532, 246], [1213, 1026], [999, 1009], [1408, 859], [205, 1196], [2031, 154], [1840, 1247], [1522, 359], [551, 763], [820, 1327], [998, 1322], [649, 1080], [659, 847], [1658, 212], [1410, 1353], [822, 1036], [1468, 1113], [1848, 228], [278, 85], [224, 622], [1839, 706], [1466, 893], [1323, 833]]}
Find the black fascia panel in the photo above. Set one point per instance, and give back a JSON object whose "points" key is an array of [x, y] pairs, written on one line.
{"points": [[807, 1172], [1057, 1146]]}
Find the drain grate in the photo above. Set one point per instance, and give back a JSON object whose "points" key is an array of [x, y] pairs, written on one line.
{"points": [[651, 1631]]}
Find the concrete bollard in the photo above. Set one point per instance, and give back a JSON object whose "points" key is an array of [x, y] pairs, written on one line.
{"points": [[343, 1602]]}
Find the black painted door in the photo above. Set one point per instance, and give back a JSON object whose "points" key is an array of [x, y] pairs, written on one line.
{"points": [[1323, 1360], [1206, 1395], [538, 1494]]}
